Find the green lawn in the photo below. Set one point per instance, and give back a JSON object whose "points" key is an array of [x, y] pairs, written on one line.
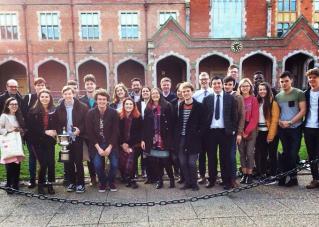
{"points": [[59, 166]]}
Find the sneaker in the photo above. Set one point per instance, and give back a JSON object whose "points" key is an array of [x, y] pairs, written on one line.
{"points": [[80, 188], [71, 188], [102, 188], [313, 184], [202, 180], [113, 187]]}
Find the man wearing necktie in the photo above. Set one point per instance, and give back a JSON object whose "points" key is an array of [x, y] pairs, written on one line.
{"points": [[199, 95], [220, 108]]}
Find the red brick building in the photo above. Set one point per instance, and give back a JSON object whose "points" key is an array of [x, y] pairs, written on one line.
{"points": [[117, 40]]}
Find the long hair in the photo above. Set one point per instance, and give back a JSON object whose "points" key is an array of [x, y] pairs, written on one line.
{"points": [[160, 101], [120, 85], [38, 107], [18, 114], [135, 113], [267, 100]]}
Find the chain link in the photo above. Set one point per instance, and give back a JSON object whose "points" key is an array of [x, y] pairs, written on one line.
{"points": [[160, 203]]}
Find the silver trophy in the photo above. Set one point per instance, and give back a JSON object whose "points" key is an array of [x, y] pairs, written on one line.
{"points": [[64, 141]]}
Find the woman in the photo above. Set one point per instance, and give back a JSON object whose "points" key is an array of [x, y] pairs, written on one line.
{"points": [[247, 144], [119, 94], [11, 120], [146, 170], [267, 130], [157, 136], [42, 135], [130, 140]]}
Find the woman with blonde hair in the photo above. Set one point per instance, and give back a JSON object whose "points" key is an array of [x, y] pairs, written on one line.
{"points": [[119, 94], [246, 144]]}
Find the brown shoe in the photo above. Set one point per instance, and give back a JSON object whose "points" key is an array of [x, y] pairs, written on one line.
{"points": [[313, 184]]}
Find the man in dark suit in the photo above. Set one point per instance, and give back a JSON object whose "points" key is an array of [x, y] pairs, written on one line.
{"points": [[220, 108], [166, 85]]}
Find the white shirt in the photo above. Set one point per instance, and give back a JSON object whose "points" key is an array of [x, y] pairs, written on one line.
{"points": [[220, 122], [312, 118], [199, 95], [262, 121]]}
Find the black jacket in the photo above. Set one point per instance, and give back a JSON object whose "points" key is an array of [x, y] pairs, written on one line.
{"points": [[195, 128], [171, 96], [78, 116], [85, 100], [166, 130], [36, 130], [110, 125], [229, 112], [135, 137]]}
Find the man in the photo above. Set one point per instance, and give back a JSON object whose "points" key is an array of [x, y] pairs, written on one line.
{"points": [[258, 77], [233, 71], [229, 84], [11, 91], [189, 130], [199, 95], [293, 107], [70, 117], [102, 124], [166, 85], [221, 123], [28, 102], [311, 122], [88, 99], [136, 85]]}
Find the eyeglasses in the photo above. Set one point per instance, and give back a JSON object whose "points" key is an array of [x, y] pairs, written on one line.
{"points": [[13, 104], [245, 86]]}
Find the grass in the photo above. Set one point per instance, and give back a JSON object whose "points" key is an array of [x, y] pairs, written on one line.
{"points": [[24, 175]]}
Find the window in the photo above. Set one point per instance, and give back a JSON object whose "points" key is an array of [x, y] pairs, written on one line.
{"points": [[8, 26], [129, 25], [49, 26], [282, 28], [90, 29], [316, 5], [316, 27], [287, 5], [164, 16], [227, 18]]}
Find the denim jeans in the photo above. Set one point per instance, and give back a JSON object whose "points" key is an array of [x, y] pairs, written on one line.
{"points": [[290, 139], [99, 164]]}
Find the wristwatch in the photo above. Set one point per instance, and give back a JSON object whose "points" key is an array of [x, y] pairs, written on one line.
{"points": [[290, 123]]}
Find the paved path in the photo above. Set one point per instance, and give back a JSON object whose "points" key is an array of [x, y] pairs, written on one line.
{"points": [[262, 206]]}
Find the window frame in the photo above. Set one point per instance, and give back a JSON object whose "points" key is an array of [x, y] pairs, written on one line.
{"points": [[18, 27], [316, 3], [314, 28], [159, 25], [283, 2], [40, 26], [284, 31], [137, 12], [98, 24]]}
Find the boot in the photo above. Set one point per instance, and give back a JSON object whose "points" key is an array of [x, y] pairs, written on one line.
{"points": [[50, 189], [32, 184], [41, 189], [172, 183], [159, 184], [249, 179], [243, 179]]}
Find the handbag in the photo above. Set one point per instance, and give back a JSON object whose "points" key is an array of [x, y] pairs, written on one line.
{"points": [[159, 153], [11, 145]]}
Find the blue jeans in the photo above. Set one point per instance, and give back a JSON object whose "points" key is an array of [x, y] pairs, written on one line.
{"points": [[291, 140], [99, 164]]}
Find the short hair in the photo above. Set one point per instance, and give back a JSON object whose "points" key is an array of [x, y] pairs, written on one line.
{"points": [[251, 91], [177, 86], [228, 79], [72, 82], [89, 77], [136, 79], [203, 74], [39, 80], [102, 92], [285, 74], [314, 71], [67, 88], [166, 79], [258, 72], [233, 66], [187, 85], [217, 78]]}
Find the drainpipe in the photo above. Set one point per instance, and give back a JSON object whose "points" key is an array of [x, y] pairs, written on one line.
{"points": [[71, 44], [269, 8], [27, 45], [187, 13]]}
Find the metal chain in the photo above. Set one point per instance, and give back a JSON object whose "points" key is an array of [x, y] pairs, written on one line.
{"points": [[160, 203]]}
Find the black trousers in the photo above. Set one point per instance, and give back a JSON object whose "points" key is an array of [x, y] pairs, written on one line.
{"points": [[218, 139], [90, 163], [312, 143], [266, 154], [74, 167], [45, 154], [149, 167], [159, 165], [202, 158], [13, 175]]}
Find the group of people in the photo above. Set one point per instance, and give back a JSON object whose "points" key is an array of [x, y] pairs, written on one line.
{"points": [[175, 132]]}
